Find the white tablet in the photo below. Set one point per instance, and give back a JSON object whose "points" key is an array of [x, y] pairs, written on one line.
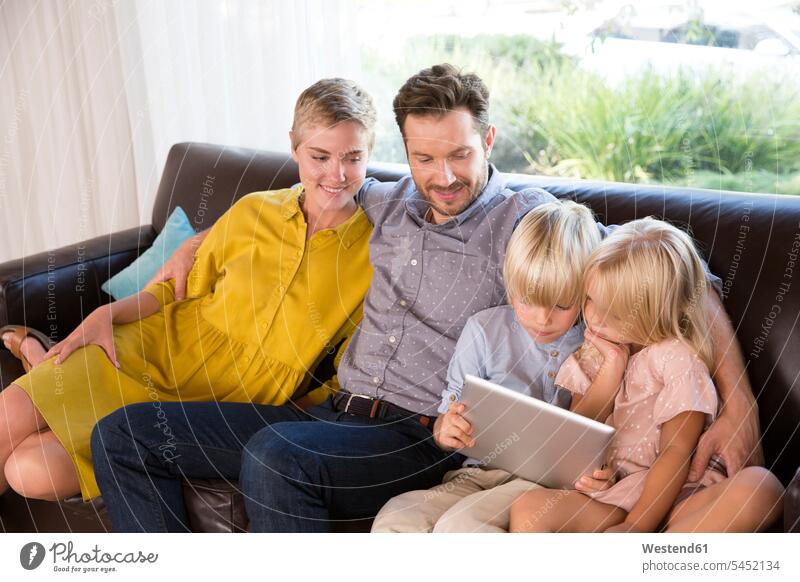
{"points": [[531, 438]]}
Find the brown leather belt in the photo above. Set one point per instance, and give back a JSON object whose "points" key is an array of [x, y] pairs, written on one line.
{"points": [[360, 405]]}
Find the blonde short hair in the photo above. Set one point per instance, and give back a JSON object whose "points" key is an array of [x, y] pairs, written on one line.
{"points": [[547, 254], [649, 274], [332, 101]]}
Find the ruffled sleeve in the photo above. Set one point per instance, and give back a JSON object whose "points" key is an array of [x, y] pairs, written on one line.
{"points": [[687, 385], [572, 376]]}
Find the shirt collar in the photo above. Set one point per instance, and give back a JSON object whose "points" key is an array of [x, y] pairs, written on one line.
{"points": [[291, 206], [348, 232], [418, 207]]}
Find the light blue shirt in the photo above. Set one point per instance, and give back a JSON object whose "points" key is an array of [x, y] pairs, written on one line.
{"points": [[495, 347]]}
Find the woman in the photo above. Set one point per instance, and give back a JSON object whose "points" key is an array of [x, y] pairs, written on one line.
{"points": [[277, 284]]}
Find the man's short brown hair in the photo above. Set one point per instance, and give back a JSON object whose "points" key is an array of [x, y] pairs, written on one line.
{"points": [[440, 89], [332, 101]]}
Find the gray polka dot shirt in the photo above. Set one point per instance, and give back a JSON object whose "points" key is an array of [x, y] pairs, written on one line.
{"points": [[427, 281]]}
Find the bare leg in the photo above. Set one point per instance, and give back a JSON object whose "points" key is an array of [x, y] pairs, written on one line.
{"points": [[30, 348], [552, 510], [18, 420], [40, 468], [750, 501]]}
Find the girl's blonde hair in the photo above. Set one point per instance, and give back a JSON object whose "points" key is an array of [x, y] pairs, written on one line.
{"points": [[650, 276], [547, 254]]}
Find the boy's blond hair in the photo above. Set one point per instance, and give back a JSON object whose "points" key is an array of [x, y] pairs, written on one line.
{"points": [[649, 273], [332, 101], [547, 254]]}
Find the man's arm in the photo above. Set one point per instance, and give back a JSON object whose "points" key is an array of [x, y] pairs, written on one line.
{"points": [[372, 197], [179, 264], [735, 435]]}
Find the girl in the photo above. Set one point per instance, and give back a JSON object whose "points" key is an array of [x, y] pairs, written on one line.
{"points": [[278, 281], [645, 367]]}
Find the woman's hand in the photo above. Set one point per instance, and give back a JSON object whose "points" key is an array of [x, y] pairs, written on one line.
{"points": [[96, 329], [599, 480], [615, 356], [453, 431]]}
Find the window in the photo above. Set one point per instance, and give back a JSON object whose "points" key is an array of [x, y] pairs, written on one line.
{"points": [[687, 94]]}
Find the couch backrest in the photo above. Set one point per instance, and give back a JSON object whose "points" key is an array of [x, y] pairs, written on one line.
{"points": [[751, 241]]}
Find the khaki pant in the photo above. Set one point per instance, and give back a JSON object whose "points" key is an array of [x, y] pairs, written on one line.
{"points": [[468, 500]]}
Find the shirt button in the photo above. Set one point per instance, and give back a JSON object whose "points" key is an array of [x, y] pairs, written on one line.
{"points": [[392, 339], [265, 325], [413, 262], [554, 353], [247, 358], [551, 374], [376, 380], [452, 398], [403, 302], [281, 289]]}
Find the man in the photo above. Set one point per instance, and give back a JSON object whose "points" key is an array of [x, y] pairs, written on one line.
{"points": [[437, 250]]}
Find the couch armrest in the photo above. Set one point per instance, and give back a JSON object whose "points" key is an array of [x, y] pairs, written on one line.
{"points": [[791, 505], [214, 506], [54, 290]]}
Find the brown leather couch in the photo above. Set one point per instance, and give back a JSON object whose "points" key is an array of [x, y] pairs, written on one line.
{"points": [[752, 242]]}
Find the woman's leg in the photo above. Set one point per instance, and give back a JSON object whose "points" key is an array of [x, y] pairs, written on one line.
{"points": [[40, 468], [18, 420], [30, 348], [750, 501], [554, 510]]}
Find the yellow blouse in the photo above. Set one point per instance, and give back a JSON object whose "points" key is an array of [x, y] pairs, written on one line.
{"points": [[284, 299]]}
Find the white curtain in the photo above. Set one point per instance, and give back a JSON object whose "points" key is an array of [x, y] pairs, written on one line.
{"points": [[93, 94]]}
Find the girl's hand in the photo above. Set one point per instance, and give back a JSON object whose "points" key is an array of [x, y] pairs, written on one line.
{"points": [[625, 527], [599, 480], [96, 329], [614, 355], [453, 431]]}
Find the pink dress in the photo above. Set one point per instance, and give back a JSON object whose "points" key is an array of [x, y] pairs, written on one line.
{"points": [[661, 381]]}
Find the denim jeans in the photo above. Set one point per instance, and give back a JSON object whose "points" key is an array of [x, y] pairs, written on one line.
{"points": [[297, 470]]}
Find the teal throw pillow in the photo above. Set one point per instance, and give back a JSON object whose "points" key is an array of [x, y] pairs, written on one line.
{"points": [[135, 276]]}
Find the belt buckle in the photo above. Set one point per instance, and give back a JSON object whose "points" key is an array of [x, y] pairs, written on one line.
{"points": [[350, 399]]}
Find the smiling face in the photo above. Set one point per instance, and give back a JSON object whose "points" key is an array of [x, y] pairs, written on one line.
{"points": [[448, 160], [545, 324], [332, 162]]}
